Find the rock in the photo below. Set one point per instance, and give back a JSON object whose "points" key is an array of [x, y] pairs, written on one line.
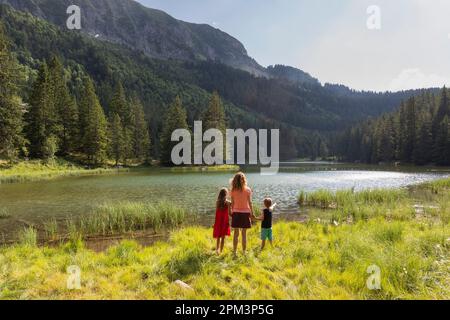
{"points": [[183, 285]]}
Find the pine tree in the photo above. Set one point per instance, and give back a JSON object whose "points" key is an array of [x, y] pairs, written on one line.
{"points": [[442, 145], [141, 137], [65, 106], [387, 148], [39, 117], [116, 140], [442, 112], [424, 147], [175, 119], [444, 107], [11, 125], [93, 125], [127, 134], [214, 116], [120, 105], [410, 130]]}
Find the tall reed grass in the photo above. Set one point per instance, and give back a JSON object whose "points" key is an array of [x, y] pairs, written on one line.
{"points": [[125, 217], [347, 198]]}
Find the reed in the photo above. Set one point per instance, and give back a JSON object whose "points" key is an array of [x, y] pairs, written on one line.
{"points": [[348, 198], [4, 214], [28, 237], [126, 217]]}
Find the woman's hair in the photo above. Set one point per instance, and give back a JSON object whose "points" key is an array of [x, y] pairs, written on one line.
{"points": [[239, 182], [222, 198]]}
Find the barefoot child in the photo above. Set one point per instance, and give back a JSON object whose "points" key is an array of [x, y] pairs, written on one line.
{"points": [[266, 224], [222, 223]]}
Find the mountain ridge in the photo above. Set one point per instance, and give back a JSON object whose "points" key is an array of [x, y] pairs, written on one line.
{"points": [[151, 31]]}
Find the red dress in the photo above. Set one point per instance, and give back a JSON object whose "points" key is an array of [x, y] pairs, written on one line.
{"points": [[222, 224]]}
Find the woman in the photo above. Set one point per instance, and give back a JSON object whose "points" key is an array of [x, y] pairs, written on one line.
{"points": [[241, 207]]}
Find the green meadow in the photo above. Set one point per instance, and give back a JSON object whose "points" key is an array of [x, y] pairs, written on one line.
{"points": [[406, 233], [38, 170]]}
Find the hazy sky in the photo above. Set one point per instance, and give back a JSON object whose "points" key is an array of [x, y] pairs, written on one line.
{"points": [[330, 38]]}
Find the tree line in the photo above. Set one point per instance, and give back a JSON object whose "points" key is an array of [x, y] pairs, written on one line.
{"points": [[54, 122], [417, 133]]}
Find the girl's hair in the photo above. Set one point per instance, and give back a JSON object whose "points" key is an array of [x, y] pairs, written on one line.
{"points": [[239, 182], [222, 198]]}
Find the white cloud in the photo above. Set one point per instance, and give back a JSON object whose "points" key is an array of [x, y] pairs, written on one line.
{"points": [[414, 78]]}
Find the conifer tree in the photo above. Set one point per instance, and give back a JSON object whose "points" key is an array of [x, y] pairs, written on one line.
{"points": [[175, 119], [11, 124], [141, 137], [39, 117], [93, 125], [214, 116], [116, 140], [442, 145], [120, 105], [424, 147], [65, 106]]}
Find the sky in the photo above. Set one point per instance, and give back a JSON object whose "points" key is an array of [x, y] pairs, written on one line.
{"points": [[396, 45]]}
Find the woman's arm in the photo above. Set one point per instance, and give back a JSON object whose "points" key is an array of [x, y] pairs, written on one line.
{"points": [[250, 203], [229, 209]]}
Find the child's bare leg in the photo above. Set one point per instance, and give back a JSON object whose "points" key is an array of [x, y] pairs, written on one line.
{"points": [[235, 240], [222, 244], [217, 245], [263, 244], [244, 240], [271, 243]]}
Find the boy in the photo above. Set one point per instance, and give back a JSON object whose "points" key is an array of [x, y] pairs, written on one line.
{"points": [[266, 224]]}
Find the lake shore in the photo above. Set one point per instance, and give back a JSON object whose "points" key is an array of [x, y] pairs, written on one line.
{"points": [[37, 170], [407, 236]]}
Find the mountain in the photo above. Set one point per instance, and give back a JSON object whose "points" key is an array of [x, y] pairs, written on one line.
{"points": [[308, 114], [291, 74], [151, 31]]}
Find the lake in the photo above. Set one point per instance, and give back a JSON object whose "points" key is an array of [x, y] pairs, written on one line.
{"points": [[35, 202]]}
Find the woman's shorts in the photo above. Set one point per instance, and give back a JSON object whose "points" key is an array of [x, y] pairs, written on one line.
{"points": [[241, 220]]}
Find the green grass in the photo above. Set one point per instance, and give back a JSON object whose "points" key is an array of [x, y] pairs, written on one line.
{"points": [[4, 214], [218, 168], [342, 198], [118, 219], [39, 170], [28, 237], [314, 260], [309, 261], [127, 217]]}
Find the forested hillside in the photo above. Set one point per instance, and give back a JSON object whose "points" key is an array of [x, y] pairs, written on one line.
{"points": [[307, 113], [419, 133]]}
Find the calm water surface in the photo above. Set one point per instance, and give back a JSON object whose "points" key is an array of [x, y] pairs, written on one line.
{"points": [[39, 201]]}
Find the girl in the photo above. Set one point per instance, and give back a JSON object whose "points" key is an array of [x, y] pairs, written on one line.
{"points": [[222, 224], [242, 211]]}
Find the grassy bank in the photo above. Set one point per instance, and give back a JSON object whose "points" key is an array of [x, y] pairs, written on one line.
{"points": [[407, 236], [216, 168], [119, 219], [39, 170]]}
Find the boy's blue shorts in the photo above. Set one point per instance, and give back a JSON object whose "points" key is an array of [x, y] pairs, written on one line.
{"points": [[266, 234]]}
